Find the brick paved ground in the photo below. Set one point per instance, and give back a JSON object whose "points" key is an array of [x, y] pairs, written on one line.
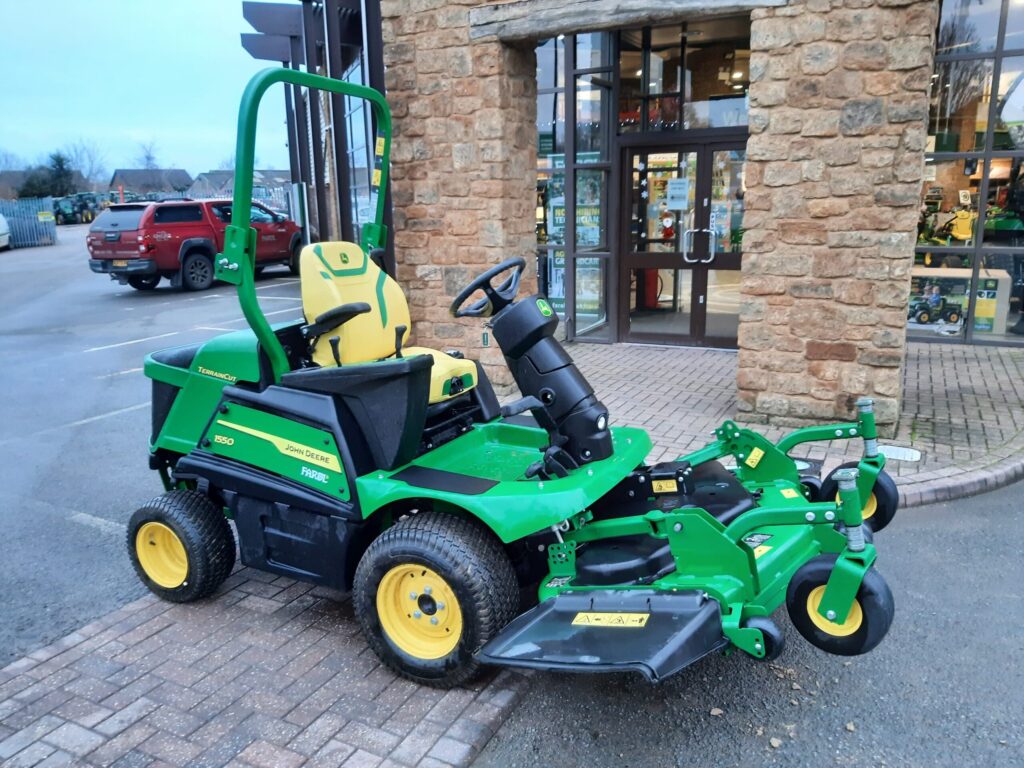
{"points": [[963, 408], [274, 673], [270, 673]]}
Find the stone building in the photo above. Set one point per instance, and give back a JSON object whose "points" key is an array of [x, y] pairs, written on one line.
{"points": [[811, 182]]}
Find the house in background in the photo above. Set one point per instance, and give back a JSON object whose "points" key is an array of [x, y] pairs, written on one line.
{"points": [[151, 181]]}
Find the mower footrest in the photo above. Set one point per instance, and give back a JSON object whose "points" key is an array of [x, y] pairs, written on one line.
{"points": [[647, 631]]}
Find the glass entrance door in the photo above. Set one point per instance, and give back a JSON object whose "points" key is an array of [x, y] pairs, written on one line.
{"points": [[682, 234]]}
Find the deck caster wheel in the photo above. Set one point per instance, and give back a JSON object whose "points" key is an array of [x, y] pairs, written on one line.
{"points": [[812, 488], [865, 626], [774, 640], [181, 546], [880, 506], [429, 592]]}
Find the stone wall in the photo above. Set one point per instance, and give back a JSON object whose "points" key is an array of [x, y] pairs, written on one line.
{"points": [[838, 119], [463, 163]]}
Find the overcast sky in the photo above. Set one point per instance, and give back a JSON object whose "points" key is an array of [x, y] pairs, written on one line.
{"points": [[122, 72]]}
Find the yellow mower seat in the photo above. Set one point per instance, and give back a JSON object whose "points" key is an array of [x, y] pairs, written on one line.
{"points": [[337, 273]]}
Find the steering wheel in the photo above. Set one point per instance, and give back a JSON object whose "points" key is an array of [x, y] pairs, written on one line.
{"points": [[495, 299]]}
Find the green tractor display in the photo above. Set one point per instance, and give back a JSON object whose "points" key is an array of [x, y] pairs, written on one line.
{"points": [[531, 534]]}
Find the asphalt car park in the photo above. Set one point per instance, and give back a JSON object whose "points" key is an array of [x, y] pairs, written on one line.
{"points": [[74, 425]]}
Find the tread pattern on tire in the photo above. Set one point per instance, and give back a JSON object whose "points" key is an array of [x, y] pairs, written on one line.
{"points": [[483, 567], [205, 532]]}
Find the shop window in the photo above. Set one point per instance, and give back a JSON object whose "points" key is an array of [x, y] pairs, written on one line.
{"points": [[551, 63], [968, 26], [940, 297], [593, 97], [591, 297], [1004, 212], [591, 209], [949, 205], [998, 314], [959, 109], [1008, 131], [550, 126], [717, 73], [593, 50]]}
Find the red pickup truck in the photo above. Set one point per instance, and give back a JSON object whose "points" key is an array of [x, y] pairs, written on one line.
{"points": [[139, 243]]}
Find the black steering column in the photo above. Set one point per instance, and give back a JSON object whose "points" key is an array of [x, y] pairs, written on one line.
{"points": [[575, 419]]}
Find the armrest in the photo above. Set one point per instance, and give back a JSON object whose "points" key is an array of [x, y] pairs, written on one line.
{"points": [[333, 318]]}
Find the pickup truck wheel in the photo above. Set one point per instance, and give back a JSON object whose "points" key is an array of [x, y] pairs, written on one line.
{"points": [[293, 260], [144, 282], [197, 272]]}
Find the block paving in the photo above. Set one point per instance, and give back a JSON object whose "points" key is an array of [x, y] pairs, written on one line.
{"points": [[962, 407], [269, 673]]}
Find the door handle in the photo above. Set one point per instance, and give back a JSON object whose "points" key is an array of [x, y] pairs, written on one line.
{"points": [[712, 246], [686, 252]]}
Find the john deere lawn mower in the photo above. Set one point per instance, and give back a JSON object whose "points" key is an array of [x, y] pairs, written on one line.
{"points": [[528, 535]]}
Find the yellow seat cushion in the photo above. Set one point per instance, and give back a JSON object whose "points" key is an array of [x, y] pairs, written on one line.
{"points": [[337, 273], [450, 376]]}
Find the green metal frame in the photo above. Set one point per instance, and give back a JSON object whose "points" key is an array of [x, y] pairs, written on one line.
{"points": [[236, 265]]}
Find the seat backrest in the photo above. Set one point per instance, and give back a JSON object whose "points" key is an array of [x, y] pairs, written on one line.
{"points": [[339, 273], [963, 225]]}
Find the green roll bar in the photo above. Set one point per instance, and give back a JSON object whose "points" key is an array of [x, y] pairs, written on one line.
{"points": [[236, 265]]}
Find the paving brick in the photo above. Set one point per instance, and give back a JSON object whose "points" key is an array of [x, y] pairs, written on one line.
{"points": [[73, 738], [451, 751], [332, 754], [27, 735], [125, 717], [375, 740], [116, 748], [33, 754], [362, 759], [171, 749], [263, 754]]}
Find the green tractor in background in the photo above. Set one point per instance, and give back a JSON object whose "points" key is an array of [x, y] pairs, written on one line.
{"points": [[527, 535]]}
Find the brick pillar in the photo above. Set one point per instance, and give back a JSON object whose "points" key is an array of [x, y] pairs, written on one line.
{"points": [[838, 120], [463, 164]]}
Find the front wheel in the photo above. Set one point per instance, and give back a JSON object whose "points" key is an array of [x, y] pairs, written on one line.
{"points": [[144, 282], [867, 623], [429, 592], [181, 546], [881, 504], [197, 272], [293, 260]]}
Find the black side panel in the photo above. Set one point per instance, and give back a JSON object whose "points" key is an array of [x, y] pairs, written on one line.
{"points": [[388, 401], [164, 395], [231, 478], [653, 633], [179, 357], [440, 480], [294, 541], [483, 394]]}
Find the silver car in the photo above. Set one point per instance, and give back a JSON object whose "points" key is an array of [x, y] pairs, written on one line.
{"points": [[5, 234]]}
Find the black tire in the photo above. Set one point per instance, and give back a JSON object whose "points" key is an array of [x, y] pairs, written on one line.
{"points": [[923, 317], [203, 532], [953, 317], [884, 491], [874, 601], [144, 282], [293, 260], [472, 567], [258, 271], [196, 272], [812, 487], [774, 640]]}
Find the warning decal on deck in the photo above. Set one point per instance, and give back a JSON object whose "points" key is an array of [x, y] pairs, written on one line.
{"points": [[789, 493], [592, 619], [757, 542], [754, 458], [664, 486]]}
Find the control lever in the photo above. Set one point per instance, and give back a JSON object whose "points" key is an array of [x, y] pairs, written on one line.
{"points": [[399, 333], [335, 342]]}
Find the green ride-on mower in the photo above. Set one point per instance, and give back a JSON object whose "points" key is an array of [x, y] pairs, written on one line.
{"points": [[528, 535]]}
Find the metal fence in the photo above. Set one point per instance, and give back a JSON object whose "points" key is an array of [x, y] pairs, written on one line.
{"points": [[31, 221]]}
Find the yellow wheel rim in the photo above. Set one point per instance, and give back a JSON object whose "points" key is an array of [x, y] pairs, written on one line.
{"points": [[161, 555], [419, 612], [870, 507], [848, 627]]}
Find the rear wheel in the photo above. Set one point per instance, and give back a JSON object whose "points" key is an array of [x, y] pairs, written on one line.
{"points": [[923, 317], [867, 623], [197, 272], [429, 592], [881, 504], [144, 282], [181, 546], [293, 260]]}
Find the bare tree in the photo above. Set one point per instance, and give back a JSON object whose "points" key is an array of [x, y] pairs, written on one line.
{"points": [[228, 163], [147, 155], [88, 159], [10, 161]]}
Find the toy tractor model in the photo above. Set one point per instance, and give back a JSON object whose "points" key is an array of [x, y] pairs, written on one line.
{"points": [[922, 311], [531, 534]]}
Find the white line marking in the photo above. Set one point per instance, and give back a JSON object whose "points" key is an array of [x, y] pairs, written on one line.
{"points": [[211, 328], [133, 341], [117, 373], [293, 310], [99, 523], [79, 423], [280, 298], [277, 284]]}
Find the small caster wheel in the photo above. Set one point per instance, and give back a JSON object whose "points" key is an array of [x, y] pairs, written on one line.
{"points": [[774, 640], [865, 626], [879, 507], [812, 487]]}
